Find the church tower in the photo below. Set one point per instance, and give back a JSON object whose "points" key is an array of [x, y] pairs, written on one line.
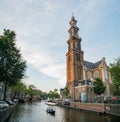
{"points": [[74, 58]]}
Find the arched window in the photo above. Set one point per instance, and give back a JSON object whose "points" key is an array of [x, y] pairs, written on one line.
{"points": [[89, 75], [96, 74], [76, 45], [77, 56]]}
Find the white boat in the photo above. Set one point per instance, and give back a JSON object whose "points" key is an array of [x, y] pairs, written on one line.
{"points": [[51, 103]]}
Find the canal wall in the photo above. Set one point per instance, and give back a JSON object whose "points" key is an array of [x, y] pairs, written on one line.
{"points": [[95, 107], [113, 109], [5, 113], [88, 106]]}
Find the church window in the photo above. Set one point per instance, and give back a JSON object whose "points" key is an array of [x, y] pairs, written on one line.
{"points": [[76, 45], [75, 31], [89, 75], [79, 74], [72, 31], [96, 74], [105, 73], [77, 57]]}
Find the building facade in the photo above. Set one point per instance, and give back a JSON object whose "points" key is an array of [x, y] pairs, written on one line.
{"points": [[78, 70]]}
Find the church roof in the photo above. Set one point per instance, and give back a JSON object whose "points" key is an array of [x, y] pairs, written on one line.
{"points": [[91, 65]]}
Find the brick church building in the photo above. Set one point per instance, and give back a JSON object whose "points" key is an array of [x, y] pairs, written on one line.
{"points": [[80, 73]]}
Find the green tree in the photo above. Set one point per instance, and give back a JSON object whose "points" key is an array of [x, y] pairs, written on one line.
{"points": [[18, 89], [66, 91], [115, 75], [115, 88], [38, 94], [98, 86], [53, 94], [12, 66], [31, 91], [56, 94]]}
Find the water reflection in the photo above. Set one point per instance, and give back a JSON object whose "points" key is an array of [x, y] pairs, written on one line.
{"points": [[36, 112]]}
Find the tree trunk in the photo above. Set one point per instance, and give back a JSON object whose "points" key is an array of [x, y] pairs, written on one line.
{"points": [[5, 88]]}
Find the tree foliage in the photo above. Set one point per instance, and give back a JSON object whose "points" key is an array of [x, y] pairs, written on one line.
{"points": [[31, 91], [115, 88], [18, 89], [115, 70], [66, 91], [12, 66], [53, 94], [98, 86], [115, 75]]}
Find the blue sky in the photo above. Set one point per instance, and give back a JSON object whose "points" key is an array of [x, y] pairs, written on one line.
{"points": [[42, 33]]}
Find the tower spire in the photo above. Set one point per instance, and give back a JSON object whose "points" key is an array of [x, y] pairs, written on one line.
{"points": [[73, 30]]}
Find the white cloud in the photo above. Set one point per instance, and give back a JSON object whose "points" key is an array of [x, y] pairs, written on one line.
{"points": [[41, 27], [46, 65], [41, 58]]}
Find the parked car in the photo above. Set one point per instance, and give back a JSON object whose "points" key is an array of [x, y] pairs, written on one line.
{"points": [[10, 102], [15, 100], [3, 104], [66, 101]]}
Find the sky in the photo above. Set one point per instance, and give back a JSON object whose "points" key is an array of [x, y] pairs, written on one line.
{"points": [[42, 33]]}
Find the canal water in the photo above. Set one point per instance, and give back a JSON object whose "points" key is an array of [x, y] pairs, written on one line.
{"points": [[36, 112]]}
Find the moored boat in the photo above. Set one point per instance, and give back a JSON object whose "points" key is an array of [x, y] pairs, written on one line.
{"points": [[51, 103]]}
